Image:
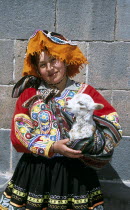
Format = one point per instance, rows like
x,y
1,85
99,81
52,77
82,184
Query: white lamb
x,y
82,106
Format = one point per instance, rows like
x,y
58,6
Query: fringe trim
x,y
69,62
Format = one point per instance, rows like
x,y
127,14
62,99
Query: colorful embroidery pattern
x,y
113,117
57,202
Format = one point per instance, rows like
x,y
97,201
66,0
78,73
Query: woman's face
x,y
51,69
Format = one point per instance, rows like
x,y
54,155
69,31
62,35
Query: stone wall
x,y
102,30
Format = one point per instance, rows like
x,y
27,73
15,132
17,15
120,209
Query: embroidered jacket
x,y
35,128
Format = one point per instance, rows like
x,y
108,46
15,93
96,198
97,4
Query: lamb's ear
x,y
98,106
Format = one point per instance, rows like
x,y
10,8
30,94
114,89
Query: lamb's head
x,y
82,104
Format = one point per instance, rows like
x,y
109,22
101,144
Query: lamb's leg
x,y
69,143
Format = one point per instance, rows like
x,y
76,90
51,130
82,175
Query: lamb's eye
x,y
81,103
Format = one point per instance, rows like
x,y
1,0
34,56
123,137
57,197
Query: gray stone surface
x,y
121,101
4,151
86,20
123,20
19,19
7,105
6,61
109,66
19,52
9,157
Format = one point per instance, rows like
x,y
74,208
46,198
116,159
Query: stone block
x,y
7,105
109,66
21,18
123,20
86,20
4,150
19,52
121,101
6,61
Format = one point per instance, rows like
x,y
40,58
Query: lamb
x,y
82,106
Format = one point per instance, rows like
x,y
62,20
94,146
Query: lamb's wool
x,y
82,106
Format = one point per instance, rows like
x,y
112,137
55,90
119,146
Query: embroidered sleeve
x,y
34,141
24,135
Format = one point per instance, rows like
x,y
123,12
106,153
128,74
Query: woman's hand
x,y
61,148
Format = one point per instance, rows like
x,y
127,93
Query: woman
x,y
50,175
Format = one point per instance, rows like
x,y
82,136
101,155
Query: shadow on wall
x,y
113,186
115,177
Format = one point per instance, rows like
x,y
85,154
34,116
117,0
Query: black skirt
x,y
56,183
